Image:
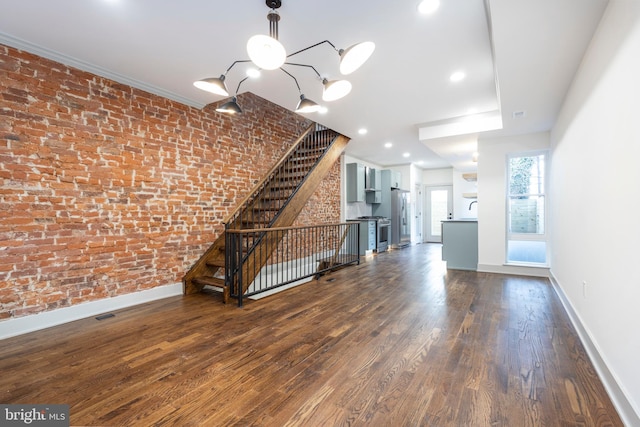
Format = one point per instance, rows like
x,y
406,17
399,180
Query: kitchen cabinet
x,y
367,235
355,182
374,196
460,244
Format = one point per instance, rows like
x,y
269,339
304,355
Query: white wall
x,y
405,170
453,177
438,176
462,204
595,175
492,212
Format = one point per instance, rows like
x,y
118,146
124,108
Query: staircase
x,y
276,201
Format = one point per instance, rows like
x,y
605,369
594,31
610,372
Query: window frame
x,y
532,237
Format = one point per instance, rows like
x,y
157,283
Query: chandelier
x,y
267,53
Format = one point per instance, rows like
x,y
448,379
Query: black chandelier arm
x,y
241,81
294,79
312,46
304,65
234,63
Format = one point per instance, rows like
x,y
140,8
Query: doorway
x,y
439,207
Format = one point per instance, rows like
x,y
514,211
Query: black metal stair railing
x,y
288,255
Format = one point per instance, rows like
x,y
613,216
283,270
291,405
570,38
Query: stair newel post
x,y
240,286
228,258
239,259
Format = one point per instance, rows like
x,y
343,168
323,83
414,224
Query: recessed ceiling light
x,y
362,131
428,6
406,154
388,145
420,162
457,76
253,73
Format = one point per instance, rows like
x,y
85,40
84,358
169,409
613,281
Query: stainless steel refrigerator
x,y
400,218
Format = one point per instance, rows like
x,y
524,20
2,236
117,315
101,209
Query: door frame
x,y
418,206
428,237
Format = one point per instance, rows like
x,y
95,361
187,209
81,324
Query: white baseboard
x,y
630,416
22,325
514,269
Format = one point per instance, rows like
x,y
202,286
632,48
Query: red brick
x,y
108,190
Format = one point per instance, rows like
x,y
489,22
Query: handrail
x,y
258,230
264,205
268,175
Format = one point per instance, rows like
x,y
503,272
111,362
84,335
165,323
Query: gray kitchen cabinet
x,y
374,196
355,182
383,208
367,235
460,244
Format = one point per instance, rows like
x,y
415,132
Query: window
x,y
527,207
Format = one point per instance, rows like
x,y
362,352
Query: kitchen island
x,y
460,244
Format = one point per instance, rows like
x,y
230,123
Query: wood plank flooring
x,y
395,341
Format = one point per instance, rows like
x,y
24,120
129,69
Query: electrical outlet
x,y
584,288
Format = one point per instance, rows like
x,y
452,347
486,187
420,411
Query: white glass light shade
x,y
266,52
335,89
353,57
213,84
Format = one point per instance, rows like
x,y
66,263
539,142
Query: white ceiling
x,y
518,55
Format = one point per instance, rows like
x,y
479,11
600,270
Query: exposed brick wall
x,y
107,190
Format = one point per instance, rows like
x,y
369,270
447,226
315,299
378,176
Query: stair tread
x,y
215,262
210,281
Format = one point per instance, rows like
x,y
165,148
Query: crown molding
x,y
35,49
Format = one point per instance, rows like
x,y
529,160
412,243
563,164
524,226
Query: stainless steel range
x,y
383,227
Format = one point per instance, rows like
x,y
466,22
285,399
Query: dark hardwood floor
x,y
395,341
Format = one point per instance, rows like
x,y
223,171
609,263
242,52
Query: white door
x,y
439,206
